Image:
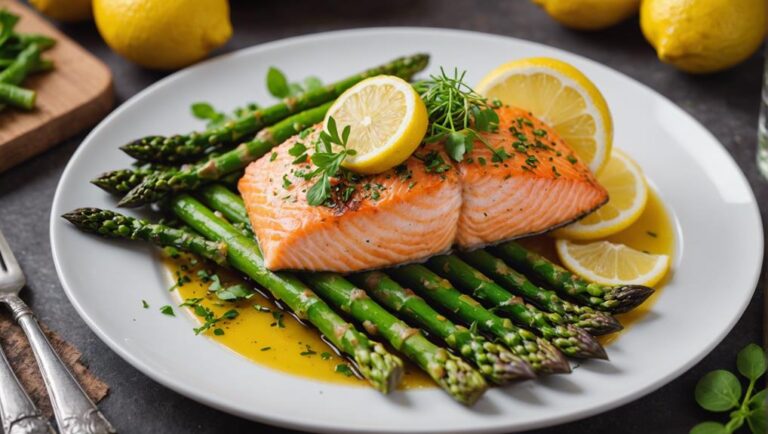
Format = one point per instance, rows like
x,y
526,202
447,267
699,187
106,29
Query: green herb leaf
x,y
218,332
718,391
277,84
203,110
145,304
751,362
709,428
456,145
757,416
486,120
320,191
311,83
167,310
344,369
325,355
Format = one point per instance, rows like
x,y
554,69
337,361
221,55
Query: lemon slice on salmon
x,y
628,193
612,264
560,95
387,121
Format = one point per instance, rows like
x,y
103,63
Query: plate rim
x,y
191,392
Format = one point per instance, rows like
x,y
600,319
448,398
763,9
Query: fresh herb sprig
x,y
720,391
330,151
457,113
279,86
215,119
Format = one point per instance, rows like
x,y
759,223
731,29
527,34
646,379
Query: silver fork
x,y
75,412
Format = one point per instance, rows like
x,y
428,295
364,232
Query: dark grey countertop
x,y
726,103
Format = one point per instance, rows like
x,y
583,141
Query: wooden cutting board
x,y
72,97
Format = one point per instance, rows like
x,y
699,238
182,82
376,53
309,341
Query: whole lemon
x,y
163,34
701,36
589,14
64,10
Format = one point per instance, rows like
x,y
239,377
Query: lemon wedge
x,y
628,194
387,121
560,95
612,264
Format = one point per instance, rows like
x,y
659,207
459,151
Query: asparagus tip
x,y
465,384
138,195
588,346
553,361
600,323
382,369
629,297
497,363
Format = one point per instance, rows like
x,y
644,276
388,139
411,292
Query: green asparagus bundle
x,y
190,147
159,185
615,299
572,341
595,322
111,224
458,380
493,360
382,369
538,352
451,373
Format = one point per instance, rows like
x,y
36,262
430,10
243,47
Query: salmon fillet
x,y
541,186
405,214
422,207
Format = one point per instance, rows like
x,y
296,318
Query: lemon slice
x,y
561,96
628,194
387,121
612,264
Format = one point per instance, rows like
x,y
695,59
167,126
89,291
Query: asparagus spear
x,y
122,181
381,368
158,185
111,224
189,147
494,361
539,353
593,321
451,373
459,380
572,341
16,72
17,96
615,299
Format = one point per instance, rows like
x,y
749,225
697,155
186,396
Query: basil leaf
x,y
751,362
709,428
759,400
277,84
758,407
203,110
718,391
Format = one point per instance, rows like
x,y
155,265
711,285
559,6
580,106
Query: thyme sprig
x,y
457,113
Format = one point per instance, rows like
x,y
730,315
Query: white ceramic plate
x,y
716,266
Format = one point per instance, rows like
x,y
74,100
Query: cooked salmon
x,y
405,214
422,207
540,186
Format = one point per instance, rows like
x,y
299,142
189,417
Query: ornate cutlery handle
x,y
18,413
75,412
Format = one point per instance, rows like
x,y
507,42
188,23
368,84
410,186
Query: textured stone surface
x,y
726,103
